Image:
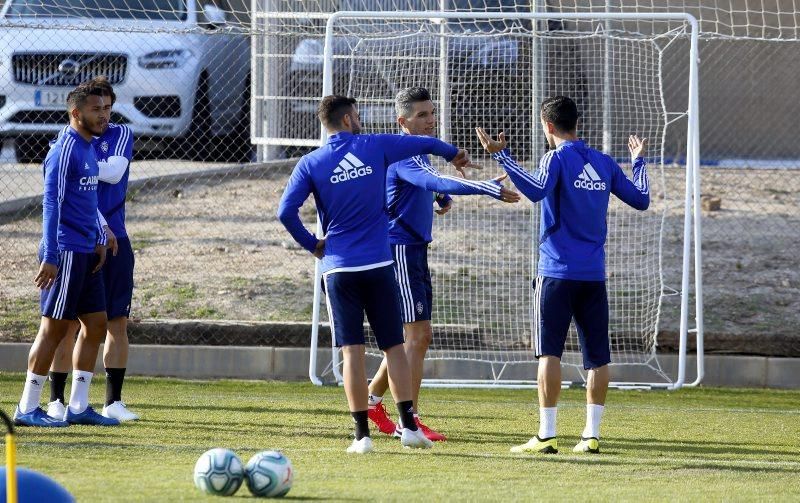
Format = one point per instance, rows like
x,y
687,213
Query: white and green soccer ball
x,y
218,472
269,474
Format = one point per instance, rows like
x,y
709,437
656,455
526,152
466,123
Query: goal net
x,y
493,72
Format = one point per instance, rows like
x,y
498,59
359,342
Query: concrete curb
x,y
291,364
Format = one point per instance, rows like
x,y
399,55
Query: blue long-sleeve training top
x,y
574,183
113,146
411,186
69,203
117,141
347,176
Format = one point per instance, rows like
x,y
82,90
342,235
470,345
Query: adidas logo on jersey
x,y
349,168
589,179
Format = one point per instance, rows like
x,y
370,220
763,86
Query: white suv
x,y
179,69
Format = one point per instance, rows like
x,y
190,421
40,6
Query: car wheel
x,y
198,143
236,146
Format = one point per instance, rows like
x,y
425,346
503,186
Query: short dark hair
x,y
101,82
405,99
78,96
332,110
562,112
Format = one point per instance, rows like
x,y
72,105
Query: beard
x,y
357,129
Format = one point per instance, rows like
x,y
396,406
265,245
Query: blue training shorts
x,y
556,303
350,294
414,280
118,276
76,289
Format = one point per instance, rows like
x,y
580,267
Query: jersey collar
x,y
576,143
340,136
76,135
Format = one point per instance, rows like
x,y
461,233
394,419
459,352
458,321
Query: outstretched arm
x,y
297,191
633,192
398,147
417,172
536,185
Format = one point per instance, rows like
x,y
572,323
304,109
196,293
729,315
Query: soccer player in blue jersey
x,y
411,187
347,177
114,150
574,183
72,252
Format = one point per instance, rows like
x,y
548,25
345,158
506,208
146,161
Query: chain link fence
x,y
211,160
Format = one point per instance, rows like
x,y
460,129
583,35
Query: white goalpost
x,y
492,69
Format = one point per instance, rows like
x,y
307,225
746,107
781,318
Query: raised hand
x,y
462,161
506,195
637,146
492,146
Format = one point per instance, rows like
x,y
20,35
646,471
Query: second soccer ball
x,y
269,474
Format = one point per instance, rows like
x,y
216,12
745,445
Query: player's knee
x,y
419,341
95,332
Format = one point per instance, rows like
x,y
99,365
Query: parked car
x,y
179,69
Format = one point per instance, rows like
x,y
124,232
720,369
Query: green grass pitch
x,y
697,444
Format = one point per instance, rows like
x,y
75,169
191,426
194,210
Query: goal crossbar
x,y
692,230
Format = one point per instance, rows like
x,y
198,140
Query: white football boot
x,y
119,411
415,439
362,446
56,410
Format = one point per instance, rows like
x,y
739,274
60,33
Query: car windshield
x,y
158,10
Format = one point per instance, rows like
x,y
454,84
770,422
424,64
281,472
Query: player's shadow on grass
x,y
250,408
695,447
433,417
549,458
248,496
491,437
262,427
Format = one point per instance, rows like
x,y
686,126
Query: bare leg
x,y
596,388
355,377
40,356
418,338
597,385
93,329
399,373
62,360
115,351
51,333
380,382
549,381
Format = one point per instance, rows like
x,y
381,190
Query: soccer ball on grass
x,y
269,474
218,472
